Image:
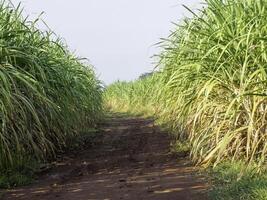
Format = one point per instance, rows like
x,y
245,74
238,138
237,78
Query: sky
x,y
117,36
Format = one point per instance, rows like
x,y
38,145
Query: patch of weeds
x,y
14,179
180,148
234,181
21,173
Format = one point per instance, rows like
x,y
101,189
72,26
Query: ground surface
x,y
131,162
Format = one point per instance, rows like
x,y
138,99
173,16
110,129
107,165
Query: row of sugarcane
x,y
211,86
47,94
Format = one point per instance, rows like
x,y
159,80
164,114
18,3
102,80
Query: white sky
x,y
117,36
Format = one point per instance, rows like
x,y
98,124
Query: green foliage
x,y
212,86
215,75
136,97
14,179
22,172
180,147
47,95
233,181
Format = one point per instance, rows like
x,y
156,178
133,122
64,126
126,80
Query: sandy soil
x,y
131,161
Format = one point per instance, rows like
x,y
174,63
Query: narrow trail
x,y
131,162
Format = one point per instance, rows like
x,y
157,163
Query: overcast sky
x,y
117,36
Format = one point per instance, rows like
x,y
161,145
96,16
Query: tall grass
x,y
47,95
213,81
137,97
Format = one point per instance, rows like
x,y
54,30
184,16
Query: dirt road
x,y
132,162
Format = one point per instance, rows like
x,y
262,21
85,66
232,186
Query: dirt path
x,y
132,162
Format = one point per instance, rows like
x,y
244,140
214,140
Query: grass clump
x,y
47,95
233,181
9,179
22,172
178,146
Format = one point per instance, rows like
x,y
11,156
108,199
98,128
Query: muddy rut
x,y
132,161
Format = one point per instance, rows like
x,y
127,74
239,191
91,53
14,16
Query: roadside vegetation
x,y
210,90
236,180
48,96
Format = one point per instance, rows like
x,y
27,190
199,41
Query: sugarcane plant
x,y
47,94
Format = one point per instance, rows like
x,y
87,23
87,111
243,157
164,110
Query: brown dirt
x,y
132,162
